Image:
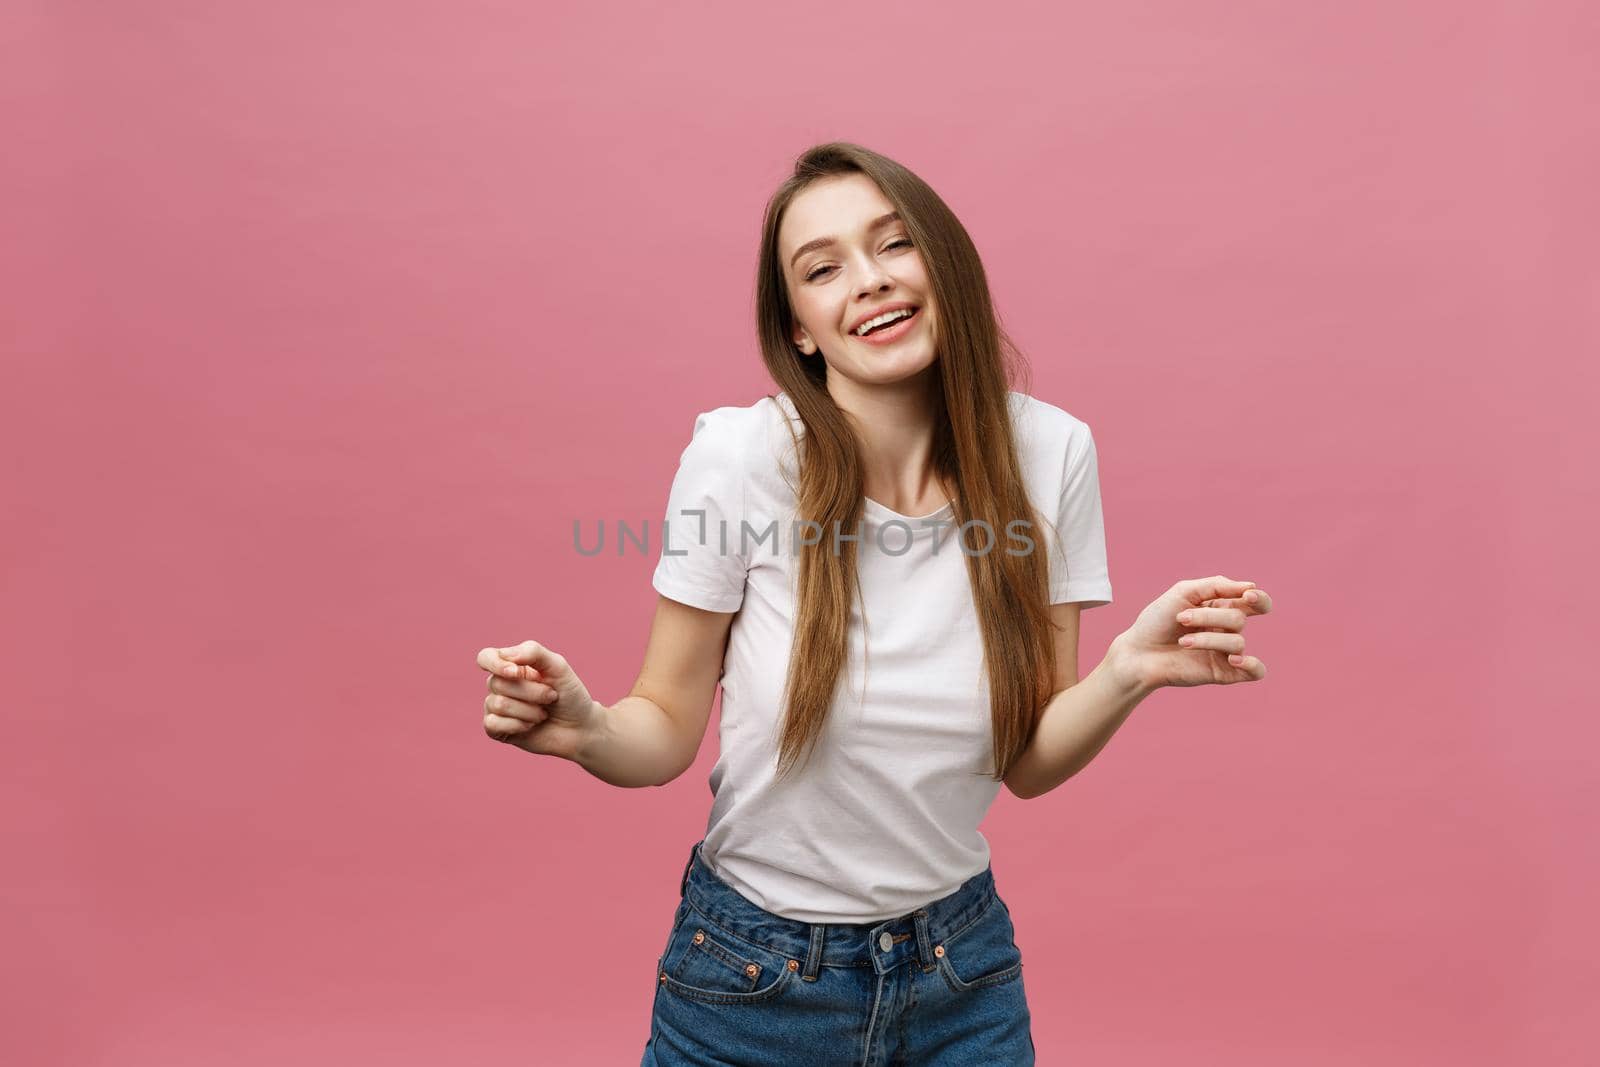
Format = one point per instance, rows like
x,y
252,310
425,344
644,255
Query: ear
x,y
803,342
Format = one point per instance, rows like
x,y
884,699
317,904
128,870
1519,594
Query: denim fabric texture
x,y
738,985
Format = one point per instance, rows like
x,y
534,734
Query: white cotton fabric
x,y
884,819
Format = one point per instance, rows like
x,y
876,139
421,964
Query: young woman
x,y
882,565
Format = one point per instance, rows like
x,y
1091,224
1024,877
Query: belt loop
x,y
924,940
683,884
814,956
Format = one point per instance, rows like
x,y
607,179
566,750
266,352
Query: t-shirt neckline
x,y
890,513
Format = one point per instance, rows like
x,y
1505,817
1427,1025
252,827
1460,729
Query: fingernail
x,y
1184,617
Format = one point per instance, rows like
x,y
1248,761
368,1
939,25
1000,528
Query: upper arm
x,y
1065,617
682,665
704,557
1078,570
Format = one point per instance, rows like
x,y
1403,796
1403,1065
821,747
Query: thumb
x,y
530,654
1219,586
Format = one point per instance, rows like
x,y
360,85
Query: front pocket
x,y
677,921
703,964
983,953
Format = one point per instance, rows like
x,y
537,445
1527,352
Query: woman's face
x,y
866,266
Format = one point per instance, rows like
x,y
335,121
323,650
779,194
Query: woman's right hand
x,y
536,701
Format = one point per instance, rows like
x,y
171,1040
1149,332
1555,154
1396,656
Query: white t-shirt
x,y
884,818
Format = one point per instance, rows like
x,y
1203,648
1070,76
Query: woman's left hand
x,y
1192,635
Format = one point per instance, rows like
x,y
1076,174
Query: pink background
x,y
323,322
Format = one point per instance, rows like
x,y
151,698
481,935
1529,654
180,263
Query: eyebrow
x,y
824,242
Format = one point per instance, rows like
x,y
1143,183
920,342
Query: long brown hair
x,y
973,451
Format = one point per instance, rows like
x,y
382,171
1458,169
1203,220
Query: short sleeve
x,y
701,560
1078,556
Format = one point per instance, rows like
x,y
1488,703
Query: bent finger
x,y
1202,589
532,654
1212,641
501,728
512,708
492,661
1253,602
1249,665
1257,600
529,692
1222,618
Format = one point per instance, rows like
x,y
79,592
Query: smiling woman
x,y
842,886
878,687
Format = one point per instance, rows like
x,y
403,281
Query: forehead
x,y
831,207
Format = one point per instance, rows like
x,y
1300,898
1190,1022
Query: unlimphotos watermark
x,y
804,533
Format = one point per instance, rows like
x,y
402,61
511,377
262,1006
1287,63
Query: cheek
x,y
916,271
816,315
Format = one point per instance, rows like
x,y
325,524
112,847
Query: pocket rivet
x,y
752,970
663,976
794,965
699,936
938,950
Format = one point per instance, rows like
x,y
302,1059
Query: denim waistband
x,y
883,945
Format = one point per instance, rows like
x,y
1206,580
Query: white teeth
x,y
887,316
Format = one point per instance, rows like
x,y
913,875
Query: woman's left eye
x,y
899,241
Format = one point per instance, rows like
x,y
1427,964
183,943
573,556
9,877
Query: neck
x,y
894,424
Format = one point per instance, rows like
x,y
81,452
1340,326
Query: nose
x,y
873,279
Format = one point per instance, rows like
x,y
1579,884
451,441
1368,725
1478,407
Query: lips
x,y
892,333
875,312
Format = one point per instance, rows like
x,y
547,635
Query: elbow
x,y
1018,792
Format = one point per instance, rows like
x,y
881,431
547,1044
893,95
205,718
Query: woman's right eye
x,y
816,272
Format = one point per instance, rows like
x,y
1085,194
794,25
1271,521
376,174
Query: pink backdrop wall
x,y
323,322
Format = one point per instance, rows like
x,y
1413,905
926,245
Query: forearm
x,y
634,743
1074,727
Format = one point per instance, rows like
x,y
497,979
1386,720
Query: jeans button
x,y
885,942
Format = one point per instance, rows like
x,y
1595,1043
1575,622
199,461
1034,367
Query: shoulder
x,y
758,438
741,449
732,429
748,420
1044,429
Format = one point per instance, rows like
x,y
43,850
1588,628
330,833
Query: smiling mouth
x,y
902,320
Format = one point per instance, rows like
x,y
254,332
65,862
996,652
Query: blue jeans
x,y
738,985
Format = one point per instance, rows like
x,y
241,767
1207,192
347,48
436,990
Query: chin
x,y
900,367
